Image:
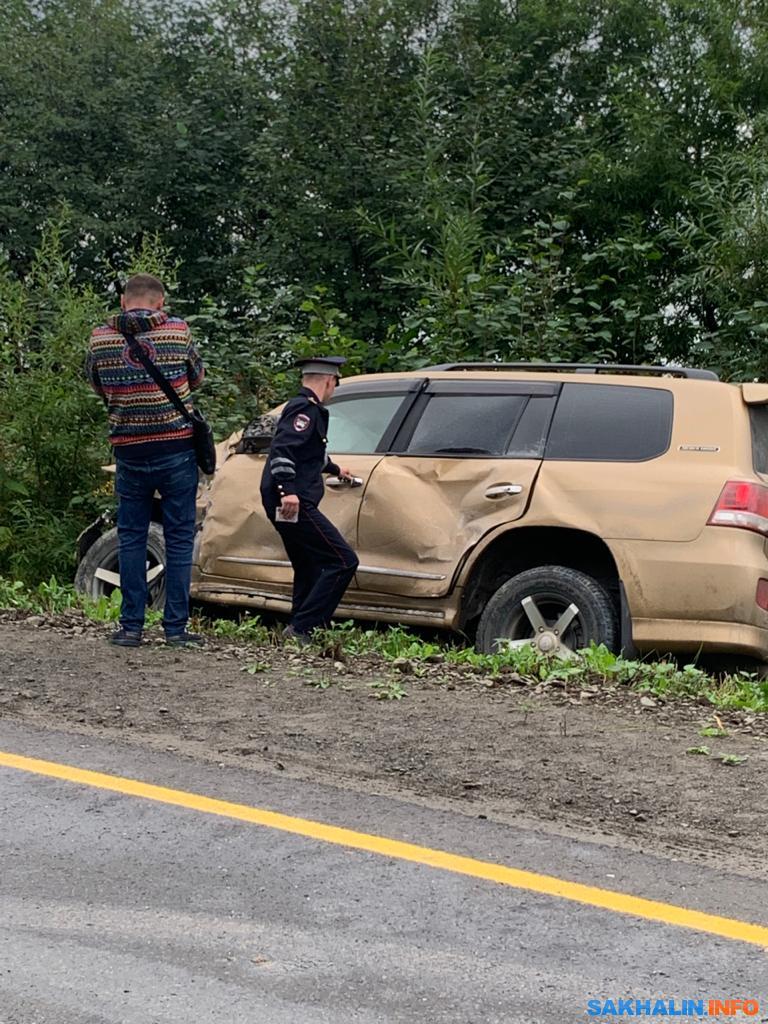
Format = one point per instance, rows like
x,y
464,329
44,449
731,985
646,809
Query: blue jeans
x,y
174,477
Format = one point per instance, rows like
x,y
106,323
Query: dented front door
x,y
238,541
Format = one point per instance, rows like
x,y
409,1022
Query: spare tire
x,y
98,573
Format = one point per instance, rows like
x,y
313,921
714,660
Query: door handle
x,y
503,490
337,481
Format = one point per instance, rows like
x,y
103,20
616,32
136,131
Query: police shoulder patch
x,y
301,422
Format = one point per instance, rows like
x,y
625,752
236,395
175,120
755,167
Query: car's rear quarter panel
x,y
685,582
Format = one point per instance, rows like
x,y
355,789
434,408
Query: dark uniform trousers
x,y
323,567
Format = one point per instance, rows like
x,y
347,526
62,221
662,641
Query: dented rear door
x,y
464,462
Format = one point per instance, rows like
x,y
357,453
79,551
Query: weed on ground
x,y
593,668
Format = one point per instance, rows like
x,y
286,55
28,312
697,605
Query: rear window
x,y
610,423
479,424
758,419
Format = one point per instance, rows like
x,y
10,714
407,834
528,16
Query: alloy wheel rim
x,y
555,626
106,578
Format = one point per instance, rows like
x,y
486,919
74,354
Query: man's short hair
x,y
143,285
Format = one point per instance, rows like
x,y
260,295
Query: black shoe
x,y
125,638
184,639
289,633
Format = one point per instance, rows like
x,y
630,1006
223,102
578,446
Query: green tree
x,y
145,123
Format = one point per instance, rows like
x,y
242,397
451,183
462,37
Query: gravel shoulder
x,y
604,765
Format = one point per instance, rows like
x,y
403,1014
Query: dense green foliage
x,y
405,181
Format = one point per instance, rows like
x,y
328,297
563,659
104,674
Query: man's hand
x,y
346,474
289,505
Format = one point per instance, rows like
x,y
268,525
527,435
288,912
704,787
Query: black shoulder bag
x,y
202,435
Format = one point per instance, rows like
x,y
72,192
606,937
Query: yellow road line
x,y
549,885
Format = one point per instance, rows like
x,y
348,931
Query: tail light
x,y
743,504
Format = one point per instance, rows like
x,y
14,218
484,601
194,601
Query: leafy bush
x,y
52,438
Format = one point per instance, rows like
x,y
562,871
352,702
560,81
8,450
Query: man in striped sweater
x,y
153,448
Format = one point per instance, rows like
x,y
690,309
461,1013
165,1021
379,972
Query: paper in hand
x,y
286,517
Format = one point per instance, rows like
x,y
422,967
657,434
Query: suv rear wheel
x,y
557,609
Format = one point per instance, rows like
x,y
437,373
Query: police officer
x,y
291,489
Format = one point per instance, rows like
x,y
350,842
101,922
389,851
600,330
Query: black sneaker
x,y
185,639
125,638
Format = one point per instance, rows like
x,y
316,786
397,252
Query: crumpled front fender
x,y
91,533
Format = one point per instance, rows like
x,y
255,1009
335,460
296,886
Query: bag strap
x,y
157,376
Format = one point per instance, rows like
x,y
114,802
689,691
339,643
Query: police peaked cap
x,y
321,364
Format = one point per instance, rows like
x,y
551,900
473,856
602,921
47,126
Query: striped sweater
x,y
143,423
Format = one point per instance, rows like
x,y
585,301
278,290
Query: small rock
x,y
402,665
35,620
339,667
648,702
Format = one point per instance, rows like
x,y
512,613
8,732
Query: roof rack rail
x,y
657,371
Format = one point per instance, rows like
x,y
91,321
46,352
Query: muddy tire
x,y
98,573
556,608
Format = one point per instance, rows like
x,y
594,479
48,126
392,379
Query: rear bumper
x,y
681,635
698,595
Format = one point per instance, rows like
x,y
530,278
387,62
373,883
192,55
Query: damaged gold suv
x,y
547,504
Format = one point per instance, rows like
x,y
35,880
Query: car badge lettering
x,y
699,448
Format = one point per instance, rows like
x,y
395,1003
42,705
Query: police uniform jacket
x,y
297,457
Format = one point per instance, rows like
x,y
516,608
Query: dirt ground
x,y
607,765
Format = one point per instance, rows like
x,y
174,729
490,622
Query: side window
x,y
469,424
611,423
356,425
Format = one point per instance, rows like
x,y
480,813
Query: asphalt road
x,y
120,910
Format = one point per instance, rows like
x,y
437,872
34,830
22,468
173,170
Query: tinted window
x,y
356,425
467,424
758,418
610,423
